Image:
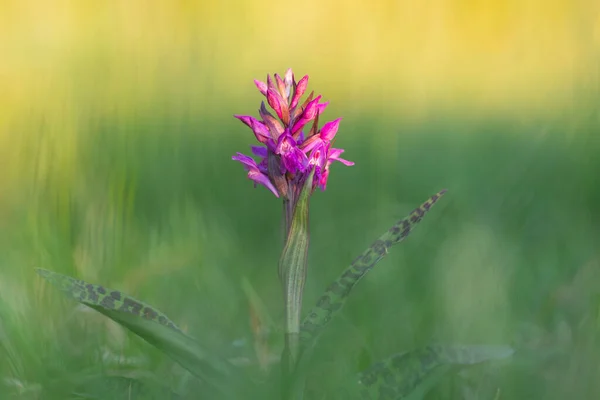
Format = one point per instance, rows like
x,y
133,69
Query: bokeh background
x,y
116,133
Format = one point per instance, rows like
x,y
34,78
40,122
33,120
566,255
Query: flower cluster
x,y
287,155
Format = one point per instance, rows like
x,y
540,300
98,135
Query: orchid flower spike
x,y
286,153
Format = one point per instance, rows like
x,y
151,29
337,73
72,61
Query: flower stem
x,y
288,214
292,267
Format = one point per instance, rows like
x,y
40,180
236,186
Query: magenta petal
x,y
300,159
345,162
300,89
299,125
321,107
275,127
310,112
334,155
289,81
280,85
263,166
275,100
300,138
318,155
311,143
329,130
244,159
246,119
317,161
270,84
262,179
260,130
293,159
262,87
311,109
255,173
323,180
259,151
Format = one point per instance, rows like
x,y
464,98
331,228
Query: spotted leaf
x,y
332,301
96,295
404,375
151,325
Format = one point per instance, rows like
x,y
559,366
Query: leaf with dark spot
x,y
412,374
151,325
337,293
96,295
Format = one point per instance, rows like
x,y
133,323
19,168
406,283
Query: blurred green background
x,y
116,133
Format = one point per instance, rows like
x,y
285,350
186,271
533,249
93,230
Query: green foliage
x,y
401,375
332,301
148,323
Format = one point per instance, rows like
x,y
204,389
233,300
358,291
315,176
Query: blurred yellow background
x,y
63,61
412,53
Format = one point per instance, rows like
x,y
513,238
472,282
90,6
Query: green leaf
x,y
332,301
414,373
148,323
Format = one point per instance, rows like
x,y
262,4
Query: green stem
x,y
292,267
288,214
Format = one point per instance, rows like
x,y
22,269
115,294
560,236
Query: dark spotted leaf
x,y
96,295
337,293
411,374
148,323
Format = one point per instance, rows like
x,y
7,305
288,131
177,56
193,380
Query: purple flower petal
x,y
262,87
260,130
293,159
299,92
246,119
263,166
318,155
289,82
276,102
321,107
329,130
311,143
262,179
311,108
275,127
254,172
270,84
259,151
300,138
334,155
280,85
323,181
244,159
308,115
317,161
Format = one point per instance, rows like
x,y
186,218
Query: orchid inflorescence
x,y
287,155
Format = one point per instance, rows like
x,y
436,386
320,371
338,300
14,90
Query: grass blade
x,y
336,294
148,323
